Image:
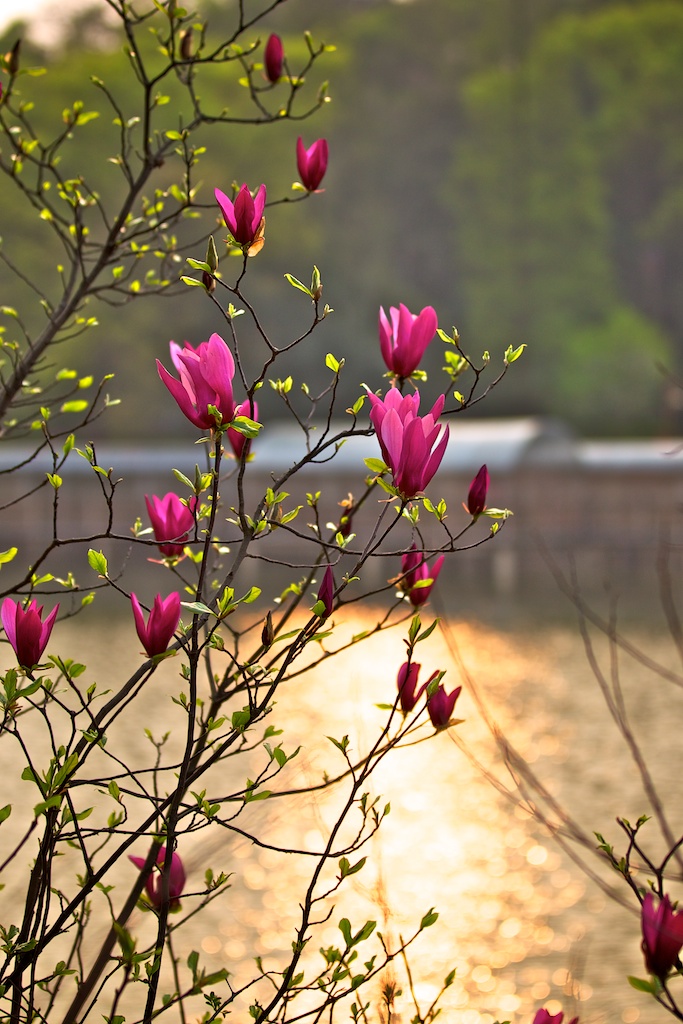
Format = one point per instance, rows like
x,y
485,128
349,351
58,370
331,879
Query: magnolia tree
x,y
81,869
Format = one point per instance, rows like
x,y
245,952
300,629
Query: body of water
x,y
520,920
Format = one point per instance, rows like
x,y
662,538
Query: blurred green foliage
x,y
515,163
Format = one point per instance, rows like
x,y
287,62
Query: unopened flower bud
x,y
326,594
476,498
186,44
212,255
273,56
12,58
268,633
209,282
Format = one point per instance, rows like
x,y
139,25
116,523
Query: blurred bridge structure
x,y
610,511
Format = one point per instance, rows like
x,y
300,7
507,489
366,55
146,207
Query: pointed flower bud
x,y
326,594
407,686
155,634
415,570
154,882
12,58
206,374
171,521
662,935
186,44
476,498
244,217
240,443
440,705
312,163
412,446
26,631
273,55
268,633
403,342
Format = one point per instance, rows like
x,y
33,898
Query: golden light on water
x,y
520,923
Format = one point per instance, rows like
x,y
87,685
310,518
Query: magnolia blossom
x,y
238,441
412,446
543,1017
244,217
407,685
206,374
662,935
273,55
415,570
171,520
403,341
26,631
154,881
312,163
155,635
440,706
476,497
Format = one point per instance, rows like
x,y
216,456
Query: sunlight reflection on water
x,y
521,924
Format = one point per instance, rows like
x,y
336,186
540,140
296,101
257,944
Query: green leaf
x,y
365,932
209,979
250,428
641,985
428,920
199,265
376,465
297,284
198,607
5,812
183,479
98,562
7,556
192,282
513,354
77,405
332,363
346,869
427,632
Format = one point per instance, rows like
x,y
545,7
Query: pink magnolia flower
x,y
243,217
239,442
273,55
206,374
171,521
476,498
326,592
26,631
153,884
415,569
662,935
407,685
403,341
155,635
543,1017
440,706
312,163
412,446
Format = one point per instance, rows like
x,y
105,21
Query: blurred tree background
x,y
518,164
